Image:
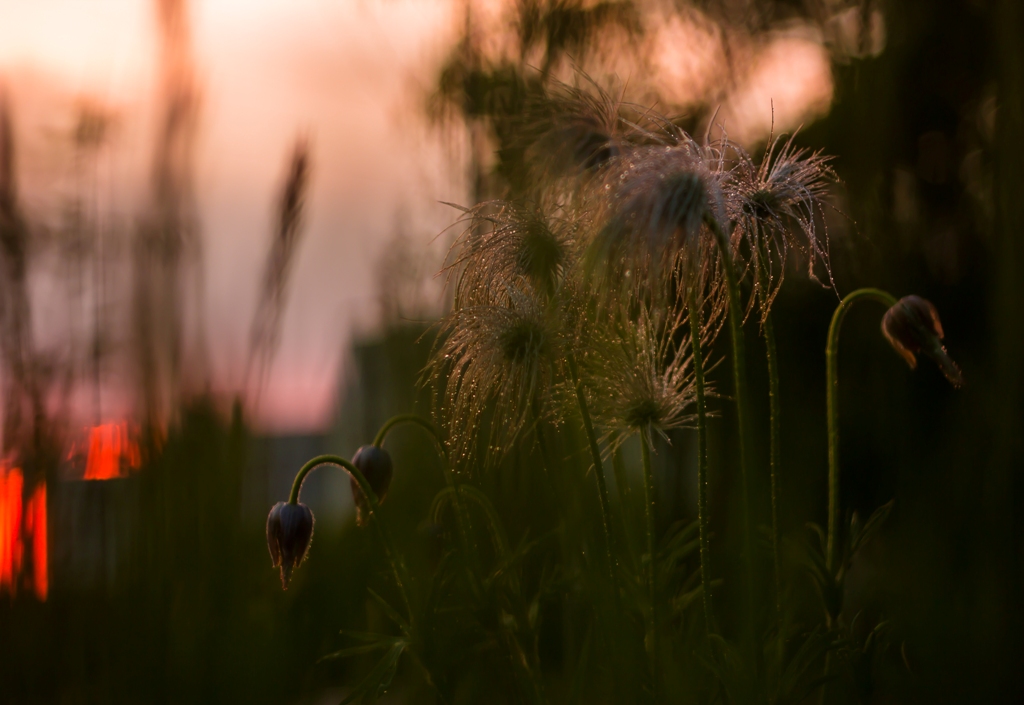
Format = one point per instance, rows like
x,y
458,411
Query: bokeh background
x,y
220,226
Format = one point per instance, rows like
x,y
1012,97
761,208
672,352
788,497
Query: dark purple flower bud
x,y
912,325
375,464
289,531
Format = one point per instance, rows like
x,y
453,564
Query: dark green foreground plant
x,y
585,316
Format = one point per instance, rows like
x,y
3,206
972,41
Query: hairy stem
x,y
394,558
702,460
626,507
832,392
771,353
740,394
652,622
595,452
773,457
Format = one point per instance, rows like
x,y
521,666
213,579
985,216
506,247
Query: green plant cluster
x,y
586,315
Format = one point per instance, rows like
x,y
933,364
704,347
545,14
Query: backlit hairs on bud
x,y
911,326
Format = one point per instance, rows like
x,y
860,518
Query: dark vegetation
x,y
514,599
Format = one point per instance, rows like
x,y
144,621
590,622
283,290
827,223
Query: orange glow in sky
x,y
111,452
35,527
10,528
20,523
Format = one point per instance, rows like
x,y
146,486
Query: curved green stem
x,y
462,520
394,558
595,452
740,394
652,622
702,460
832,392
408,418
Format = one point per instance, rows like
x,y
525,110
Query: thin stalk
x,y
652,622
740,393
595,452
771,353
542,443
702,461
832,391
625,502
621,481
394,558
773,435
410,419
832,403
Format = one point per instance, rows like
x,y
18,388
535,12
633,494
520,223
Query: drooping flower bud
x,y
375,464
912,325
289,531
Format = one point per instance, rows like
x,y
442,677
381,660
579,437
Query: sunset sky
x,y
351,75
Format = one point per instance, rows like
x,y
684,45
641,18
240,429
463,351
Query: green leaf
x,y
389,611
581,668
356,650
812,650
366,636
871,526
379,678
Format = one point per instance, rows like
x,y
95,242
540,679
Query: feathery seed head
x,y
541,254
500,355
521,340
574,131
641,373
776,204
505,245
654,206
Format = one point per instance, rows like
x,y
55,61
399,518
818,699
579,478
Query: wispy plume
x,y
23,408
653,204
506,246
777,206
168,285
573,130
496,357
265,331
